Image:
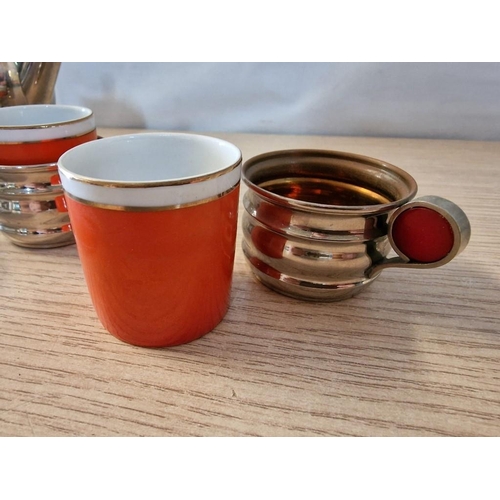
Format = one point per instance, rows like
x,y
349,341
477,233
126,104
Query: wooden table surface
x,y
416,354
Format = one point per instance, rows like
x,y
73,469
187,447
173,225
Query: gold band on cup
x,y
122,208
150,171
91,128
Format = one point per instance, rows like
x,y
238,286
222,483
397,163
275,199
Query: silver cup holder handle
x,y
427,232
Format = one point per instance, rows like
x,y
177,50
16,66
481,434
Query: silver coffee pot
x,y
27,82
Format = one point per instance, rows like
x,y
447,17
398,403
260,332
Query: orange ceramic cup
x,y
40,133
154,217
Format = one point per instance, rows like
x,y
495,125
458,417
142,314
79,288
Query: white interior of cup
x,y
150,169
37,122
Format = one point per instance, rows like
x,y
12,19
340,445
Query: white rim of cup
x,y
40,122
150,171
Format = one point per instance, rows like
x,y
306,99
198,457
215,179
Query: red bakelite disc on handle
x,y
422,235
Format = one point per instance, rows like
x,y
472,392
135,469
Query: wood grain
x,y
417,354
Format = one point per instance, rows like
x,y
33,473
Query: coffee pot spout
x,y
24,83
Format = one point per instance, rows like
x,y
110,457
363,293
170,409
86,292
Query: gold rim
x,y
124,208
46,140
148,184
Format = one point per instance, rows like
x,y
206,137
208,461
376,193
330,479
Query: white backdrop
x,y
425,100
